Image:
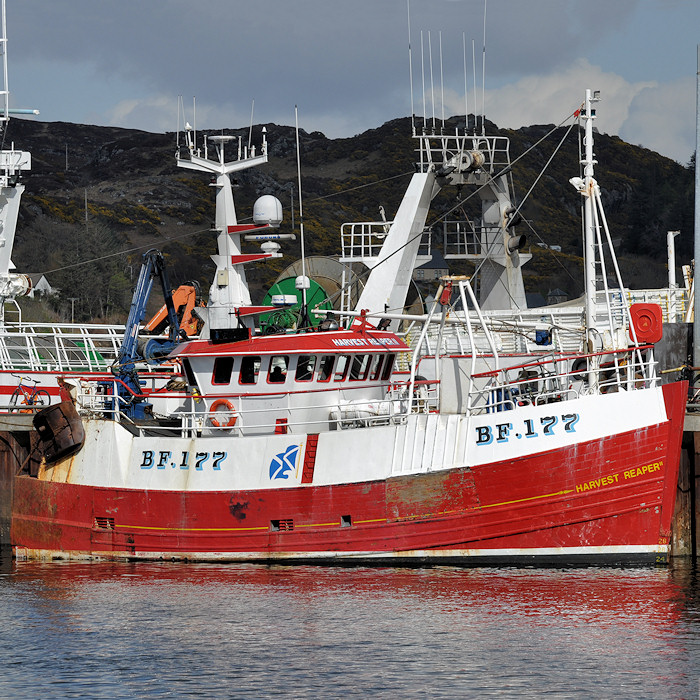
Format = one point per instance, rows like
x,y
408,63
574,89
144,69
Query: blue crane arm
x,y
153,265
153,350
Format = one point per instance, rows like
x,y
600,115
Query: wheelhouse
x,y
295,381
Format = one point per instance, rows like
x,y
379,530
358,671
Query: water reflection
x,y
164,630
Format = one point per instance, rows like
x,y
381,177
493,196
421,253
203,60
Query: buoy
x,y
224,406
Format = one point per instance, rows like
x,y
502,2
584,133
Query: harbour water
x,y
208,631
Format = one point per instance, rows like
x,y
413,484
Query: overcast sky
x,y
345,64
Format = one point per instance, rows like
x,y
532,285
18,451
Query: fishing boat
x,y
328,444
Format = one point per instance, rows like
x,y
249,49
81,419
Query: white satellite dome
x,y
267,210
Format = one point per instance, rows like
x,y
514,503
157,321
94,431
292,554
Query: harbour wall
x,y
684,540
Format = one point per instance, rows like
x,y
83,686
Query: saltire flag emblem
x,y
284,462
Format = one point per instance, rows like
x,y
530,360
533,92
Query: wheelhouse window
x,y
376,365
341,368
305,368
360,367
278,369
223,366
325,368
250,368
388,366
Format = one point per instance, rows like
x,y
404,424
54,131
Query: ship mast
x,y
596,239
229,296
12,163
589,238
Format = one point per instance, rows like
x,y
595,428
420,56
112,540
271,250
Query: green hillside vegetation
x,y
138,199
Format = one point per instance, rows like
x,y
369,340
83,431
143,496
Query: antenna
x,y
250,133
483,78
5,110
476,100
432,84
187,130
5,90
304,311
291,202
177,138
410,68
442,84
466,87
194,120
422,72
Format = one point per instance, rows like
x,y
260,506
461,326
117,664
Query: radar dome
x,y
267,210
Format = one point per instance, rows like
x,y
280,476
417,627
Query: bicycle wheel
x,y
41,398
14,400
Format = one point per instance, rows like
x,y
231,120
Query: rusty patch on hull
x,y
438,493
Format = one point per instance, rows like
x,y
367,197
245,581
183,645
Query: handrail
x,y
556,379
541,362
397,402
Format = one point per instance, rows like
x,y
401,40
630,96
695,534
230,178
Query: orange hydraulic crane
x,y
186,300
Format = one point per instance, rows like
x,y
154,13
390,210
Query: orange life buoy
x,y
228,407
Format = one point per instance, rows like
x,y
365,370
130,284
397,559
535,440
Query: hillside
x,y
110,194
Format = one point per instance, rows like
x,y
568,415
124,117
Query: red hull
x,y
607,500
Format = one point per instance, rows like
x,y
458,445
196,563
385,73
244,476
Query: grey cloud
x,y
318,50
344,62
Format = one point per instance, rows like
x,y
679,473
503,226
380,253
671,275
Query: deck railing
x,y
251,414
561,378
550,380
61,347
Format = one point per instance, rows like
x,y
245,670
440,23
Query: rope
x,y
120,252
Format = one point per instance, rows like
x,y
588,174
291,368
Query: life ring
x,y
228,408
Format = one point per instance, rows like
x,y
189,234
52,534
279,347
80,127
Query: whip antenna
x,y
194,119
432,82
410,68
422,73
250,133
476,99
180,106
442,85
302,284
483,78
466,88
